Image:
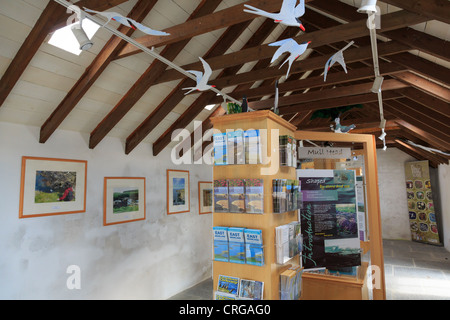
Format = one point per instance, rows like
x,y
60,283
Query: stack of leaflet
x,y
234,288
291,283
220,244
238,245
220,149
254,195
288,151
237,147
254,251
286,195
236,195
239,195
221,196
252,147
288,241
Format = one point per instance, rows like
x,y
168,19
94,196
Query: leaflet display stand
x,y
316,284
270,272
326,286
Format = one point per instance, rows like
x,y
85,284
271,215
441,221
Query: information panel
x,y
329,219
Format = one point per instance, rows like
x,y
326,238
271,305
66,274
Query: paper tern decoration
x,y
128,22
342,129
288,15
290,46
339,58
432,150
202,78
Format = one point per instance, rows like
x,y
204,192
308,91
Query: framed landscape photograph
x,y
205,197
123,200
178,194
52,187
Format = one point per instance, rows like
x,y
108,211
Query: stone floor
x,y
416,271
413,271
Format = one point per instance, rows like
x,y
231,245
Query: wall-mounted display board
x,y
422,215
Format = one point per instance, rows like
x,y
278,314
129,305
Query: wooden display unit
x,y
331,287
375,244
315,286
270,272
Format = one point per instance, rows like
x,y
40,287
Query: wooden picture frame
x,y
124,200
205,197
51,186
178,191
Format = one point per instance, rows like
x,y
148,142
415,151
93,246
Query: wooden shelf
x,y
269,273
332,287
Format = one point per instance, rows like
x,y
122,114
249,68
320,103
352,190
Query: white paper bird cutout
x,y
288,15
290,46
202,78
337,57
109,15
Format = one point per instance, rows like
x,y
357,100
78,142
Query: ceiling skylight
x,y
64,38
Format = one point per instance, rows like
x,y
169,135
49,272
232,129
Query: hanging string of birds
x,y
289,15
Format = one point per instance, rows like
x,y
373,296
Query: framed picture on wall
x,y
123,200
178,197
52,187
205,197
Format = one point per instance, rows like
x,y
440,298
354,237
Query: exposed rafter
x,y
52,18
93,72
416,89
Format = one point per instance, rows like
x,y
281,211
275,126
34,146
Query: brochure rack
x,y
270,272
314,285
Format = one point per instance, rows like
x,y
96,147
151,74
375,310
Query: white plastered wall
x,y
151,259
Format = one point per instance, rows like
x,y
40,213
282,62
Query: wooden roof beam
x,y
421,41
316,63
318,81
413,153
412,38
425,85
147,79
443,119
262,33
338,102
214,21
427,100
423,135
431,9
422,115
413,123
338,92
319,38
91,74
436,159
177,94
189,115
53,17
